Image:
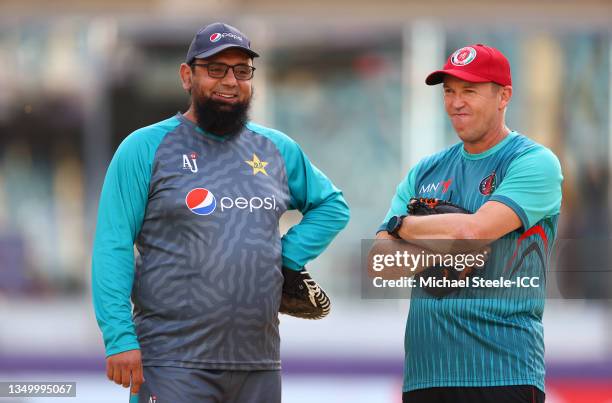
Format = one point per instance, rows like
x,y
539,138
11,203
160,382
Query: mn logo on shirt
x,y
435,186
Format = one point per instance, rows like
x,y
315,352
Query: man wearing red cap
x,y
476,345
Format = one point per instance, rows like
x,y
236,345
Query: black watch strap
x,y
394,224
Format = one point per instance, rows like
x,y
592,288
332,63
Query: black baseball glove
x,y
302,296
423,206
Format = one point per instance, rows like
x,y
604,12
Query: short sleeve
x,y
404,192
532,186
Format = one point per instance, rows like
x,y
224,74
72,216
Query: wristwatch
x,y
394,224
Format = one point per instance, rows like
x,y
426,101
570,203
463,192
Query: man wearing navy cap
x,y
201,195
468,346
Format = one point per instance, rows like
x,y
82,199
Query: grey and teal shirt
x,y
472,339
203,213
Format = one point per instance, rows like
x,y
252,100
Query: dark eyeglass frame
x,y
226,69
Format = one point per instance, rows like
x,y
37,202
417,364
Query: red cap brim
x,y
437,77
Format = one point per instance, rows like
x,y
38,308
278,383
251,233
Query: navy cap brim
x,y
220,48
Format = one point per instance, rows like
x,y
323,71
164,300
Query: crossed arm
x,y
492,221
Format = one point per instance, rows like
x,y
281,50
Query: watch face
x,y
393,224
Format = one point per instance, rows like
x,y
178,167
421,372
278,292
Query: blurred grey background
x,y
343,78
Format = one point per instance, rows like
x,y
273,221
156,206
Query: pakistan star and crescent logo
x,y
257,165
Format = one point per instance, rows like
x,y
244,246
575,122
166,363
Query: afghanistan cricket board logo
x,y
463,56
488,184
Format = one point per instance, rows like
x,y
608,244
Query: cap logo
x,y
463,56
217,36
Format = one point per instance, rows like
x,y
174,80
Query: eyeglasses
x,y
242,72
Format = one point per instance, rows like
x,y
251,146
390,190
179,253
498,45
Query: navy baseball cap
x,y
215,38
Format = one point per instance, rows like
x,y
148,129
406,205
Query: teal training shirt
x,y
469,339
203,213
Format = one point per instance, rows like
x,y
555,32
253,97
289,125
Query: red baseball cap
x,y
475,63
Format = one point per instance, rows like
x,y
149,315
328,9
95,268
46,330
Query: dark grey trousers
x,y
191,385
